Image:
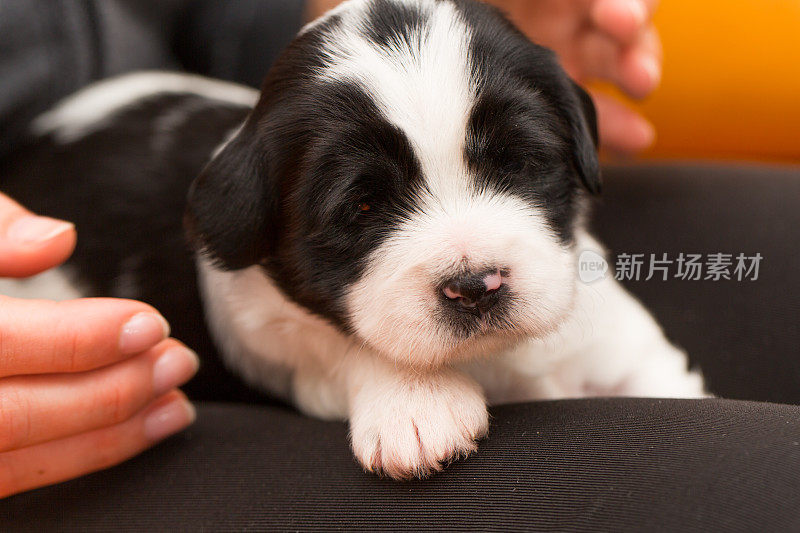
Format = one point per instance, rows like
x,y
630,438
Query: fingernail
x,y
174,368
35,230
168,419
638,11
648,133
652,68
141,332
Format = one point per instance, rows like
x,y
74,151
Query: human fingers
x,y
597,58
36,409
30,244
44,337
622,20
60,460
639,66
622,130
635,70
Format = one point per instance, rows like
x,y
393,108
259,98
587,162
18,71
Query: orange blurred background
x,y
731,84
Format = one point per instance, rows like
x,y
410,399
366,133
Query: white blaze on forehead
x,y
422,86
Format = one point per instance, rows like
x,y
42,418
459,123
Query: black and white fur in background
x,y
388,233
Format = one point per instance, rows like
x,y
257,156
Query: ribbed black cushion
x,y
597,465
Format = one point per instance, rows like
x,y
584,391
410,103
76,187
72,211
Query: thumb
x,y
30,244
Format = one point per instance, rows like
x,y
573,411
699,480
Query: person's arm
x,y
236,41
47,51
84,384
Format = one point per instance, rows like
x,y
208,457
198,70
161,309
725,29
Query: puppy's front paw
x,y
410,426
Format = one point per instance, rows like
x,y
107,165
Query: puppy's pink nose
x,y
478,292
493,281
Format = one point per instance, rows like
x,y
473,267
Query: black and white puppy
x,y
390,235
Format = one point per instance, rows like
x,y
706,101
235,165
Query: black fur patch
x,y
394,26
352,157
533,131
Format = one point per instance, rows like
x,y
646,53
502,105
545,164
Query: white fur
x,y
268,338
609,346
422,87
394,304
403,423
81,113
56,284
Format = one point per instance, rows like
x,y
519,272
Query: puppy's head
x,y
412,173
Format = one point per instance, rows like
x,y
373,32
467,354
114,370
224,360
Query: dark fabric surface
x,y
47,50
51,48
598,465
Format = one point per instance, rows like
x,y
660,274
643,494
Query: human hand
x,y
84,384
610,40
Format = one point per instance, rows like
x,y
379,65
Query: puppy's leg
x,y
663,373
627,353
407,423
618,349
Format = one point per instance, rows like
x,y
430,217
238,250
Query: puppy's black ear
x,y
542,69
230,207
581,114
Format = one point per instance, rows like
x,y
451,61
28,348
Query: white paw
x,y
411,427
